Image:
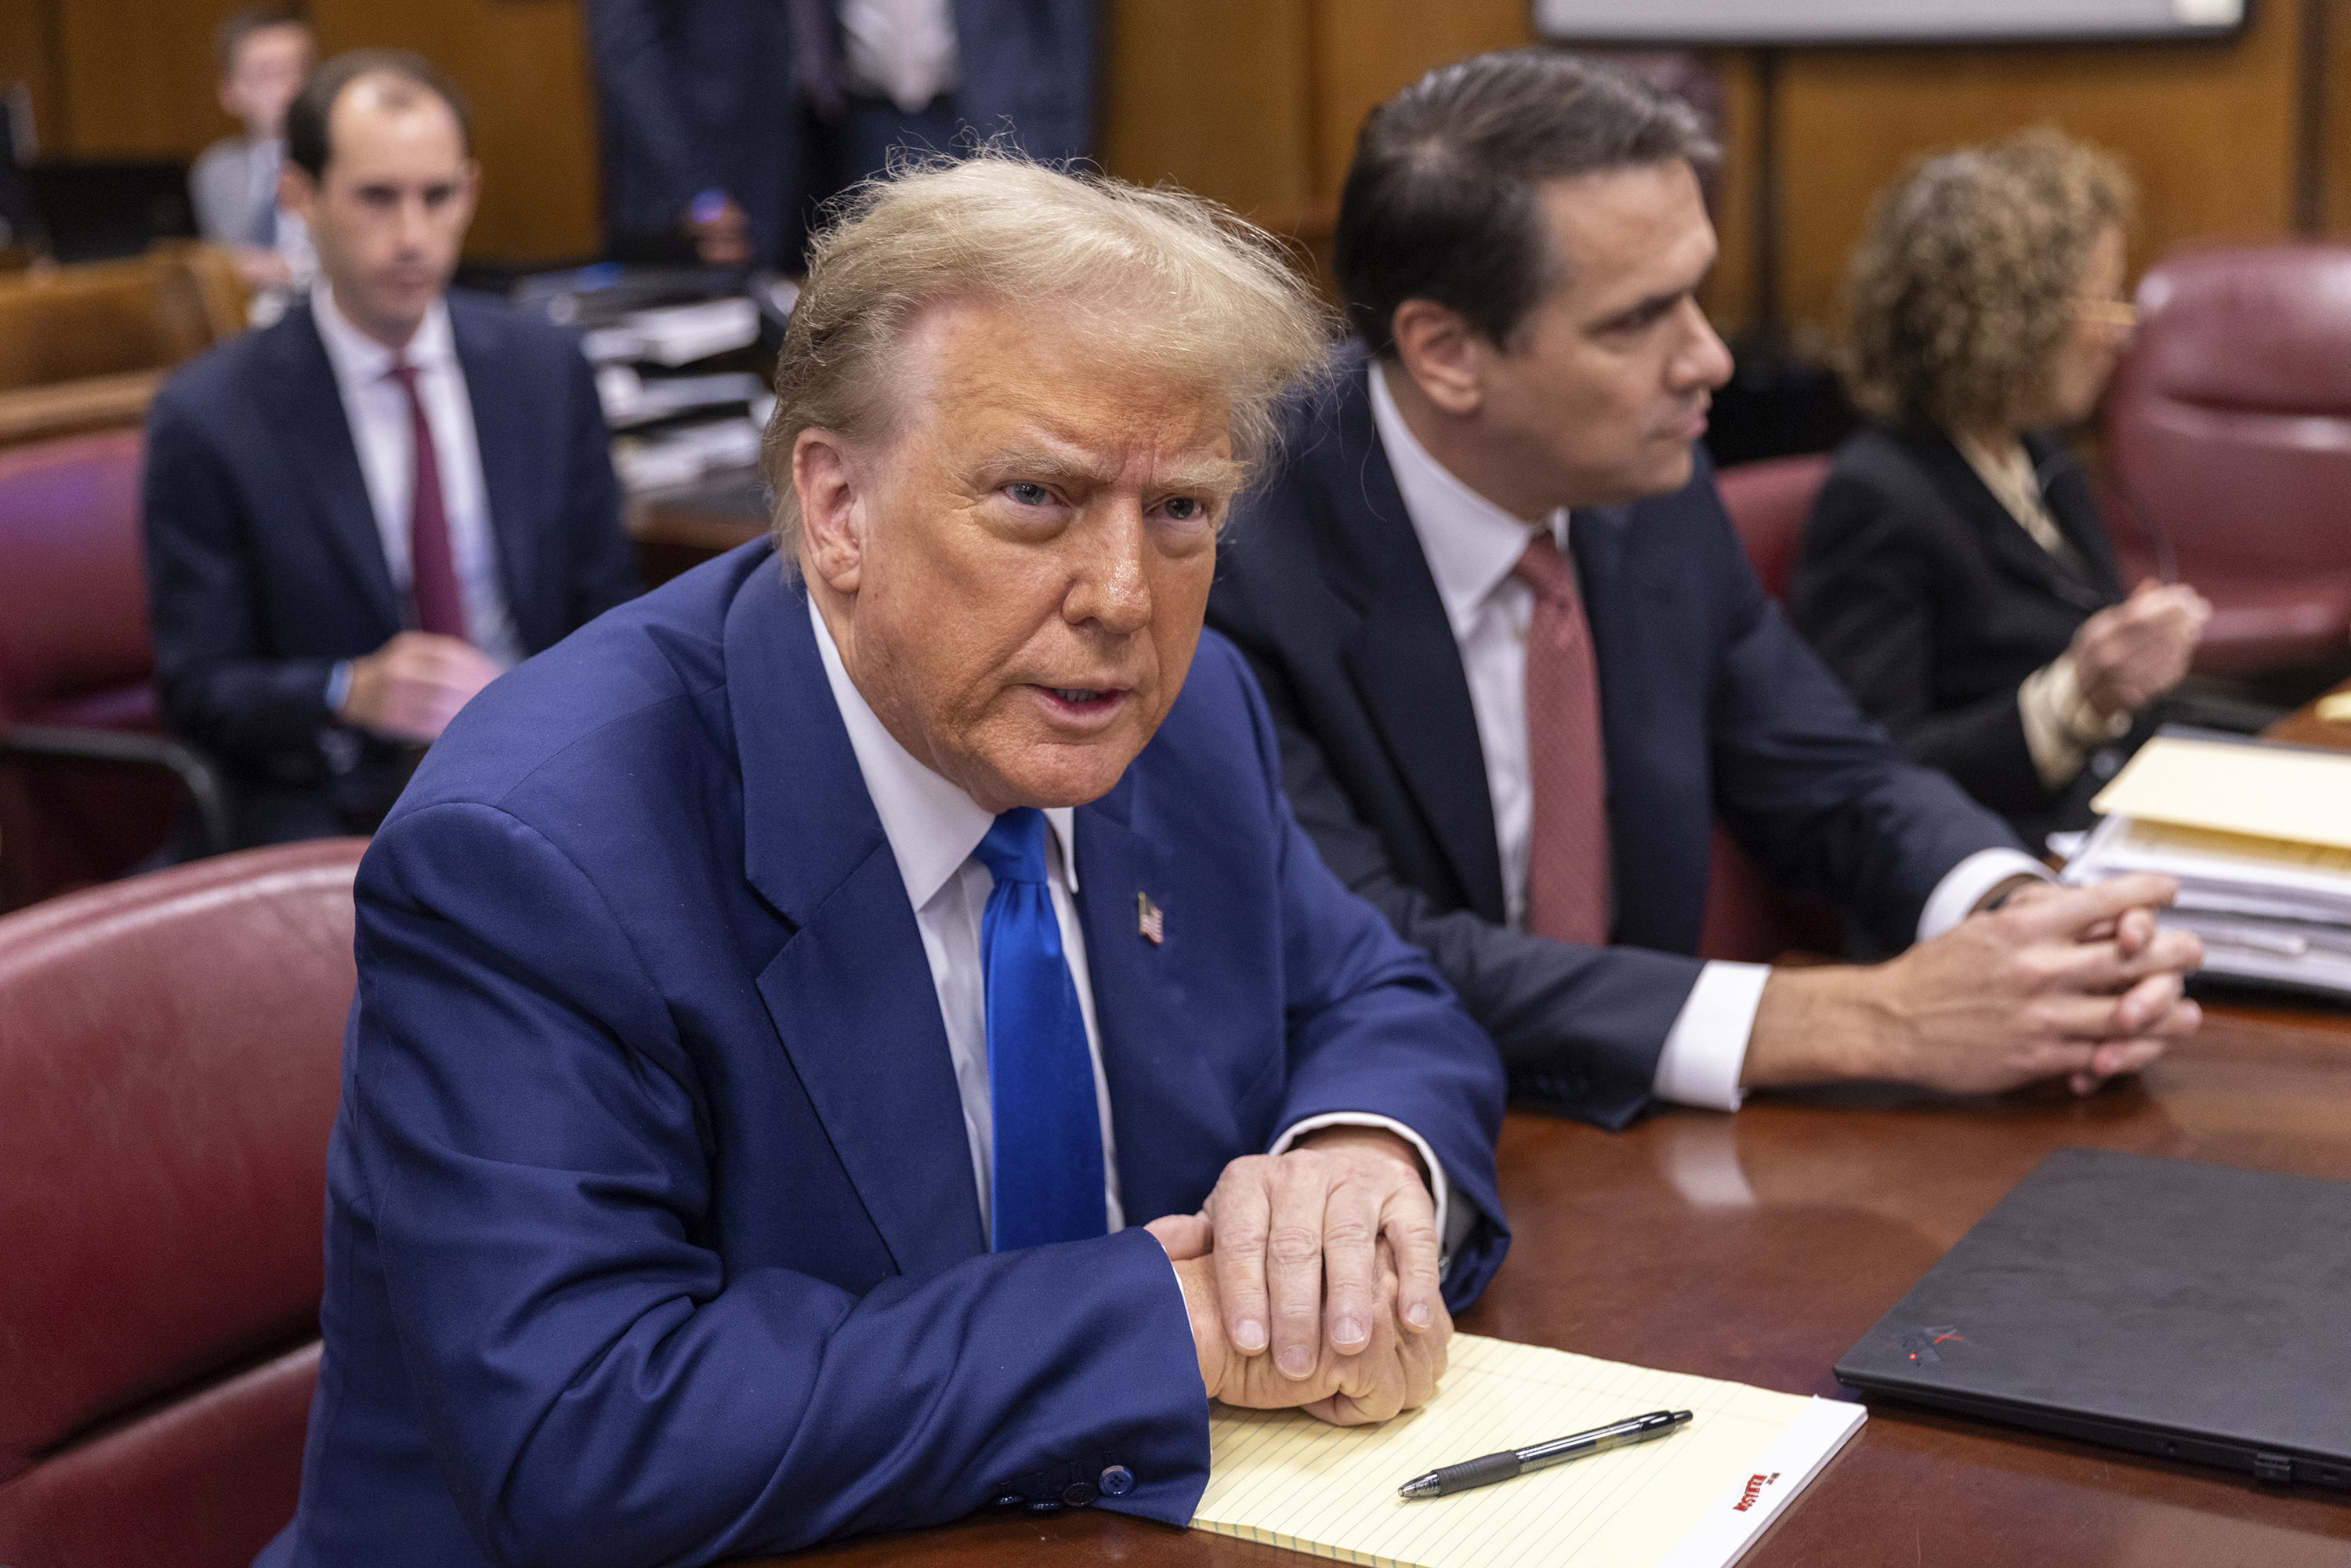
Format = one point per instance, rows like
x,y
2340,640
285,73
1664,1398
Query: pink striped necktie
x,y
432,573
1567,859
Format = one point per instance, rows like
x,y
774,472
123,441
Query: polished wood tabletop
x,y
678,528
1760,1247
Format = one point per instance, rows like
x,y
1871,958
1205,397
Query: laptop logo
x,y
1920,1347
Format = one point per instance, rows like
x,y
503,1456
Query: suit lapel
x,y
1628,711
1401,654
850,993
2076,513
502,430
305,407
1165,1111
2016,552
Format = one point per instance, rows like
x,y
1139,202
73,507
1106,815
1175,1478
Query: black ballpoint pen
x,y
1511,1462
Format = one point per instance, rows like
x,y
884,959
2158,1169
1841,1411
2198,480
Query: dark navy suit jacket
x,y
265,567
1710,706
696,95
652,1229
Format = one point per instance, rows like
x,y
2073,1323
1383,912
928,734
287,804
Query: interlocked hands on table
x,y
1311,1279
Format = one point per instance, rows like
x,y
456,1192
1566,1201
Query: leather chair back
x,y
2229,445
1769,502
170,1054
1748,919
74,652
73,624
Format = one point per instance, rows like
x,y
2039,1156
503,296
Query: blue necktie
x,y
1047,1184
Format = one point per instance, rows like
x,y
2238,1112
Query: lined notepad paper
x,y
1695,1499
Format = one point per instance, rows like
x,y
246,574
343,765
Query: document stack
x,y
679,365
2259,835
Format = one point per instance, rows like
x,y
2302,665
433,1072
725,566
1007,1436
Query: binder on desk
x,y
1695,1499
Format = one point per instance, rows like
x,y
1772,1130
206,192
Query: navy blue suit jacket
x,y
652,1236
265,567
1710,706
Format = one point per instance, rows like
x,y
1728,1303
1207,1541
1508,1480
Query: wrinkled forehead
x,y
1102,382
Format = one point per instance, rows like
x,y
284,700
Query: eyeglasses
x,y
2120,314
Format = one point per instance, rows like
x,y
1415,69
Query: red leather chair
x,y
1769,503
1746,918
2229,447
170,1054
89,783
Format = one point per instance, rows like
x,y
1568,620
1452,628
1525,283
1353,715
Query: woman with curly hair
x,y
1955,574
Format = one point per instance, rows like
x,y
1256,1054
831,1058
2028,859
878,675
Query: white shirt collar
x,y
358,360
1470,543
932,825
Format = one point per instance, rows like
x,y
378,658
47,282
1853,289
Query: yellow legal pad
x,y
1693,1500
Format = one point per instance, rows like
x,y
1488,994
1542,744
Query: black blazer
x,y
1932,603
1711,707
264,567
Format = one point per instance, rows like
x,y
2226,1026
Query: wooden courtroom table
x,y
679,528
1760,1247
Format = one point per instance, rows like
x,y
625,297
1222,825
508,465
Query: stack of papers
x,y
2259,836
1696,1498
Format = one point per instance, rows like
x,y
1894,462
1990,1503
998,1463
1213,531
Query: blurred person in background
x,y
262,53
1955,573
724,124
357,518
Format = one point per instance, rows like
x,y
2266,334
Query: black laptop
x,y
2192,1310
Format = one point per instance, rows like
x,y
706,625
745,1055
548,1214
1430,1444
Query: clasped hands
x,y
2073,982
1311,1279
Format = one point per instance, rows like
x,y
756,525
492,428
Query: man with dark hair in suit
x,y
1520,663
357,518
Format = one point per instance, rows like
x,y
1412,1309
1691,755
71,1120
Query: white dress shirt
x,y
1471,545
384,434
904,51
933,828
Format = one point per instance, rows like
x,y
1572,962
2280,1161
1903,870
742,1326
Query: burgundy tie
x,y
433,575
1567,859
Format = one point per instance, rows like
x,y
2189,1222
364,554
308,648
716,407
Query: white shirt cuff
x,y
1706,1050
1955,897
1439,1188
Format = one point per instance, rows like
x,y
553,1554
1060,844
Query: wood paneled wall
x,y
133,79
1256,102
2208,130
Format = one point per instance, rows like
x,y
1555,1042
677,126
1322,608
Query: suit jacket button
x,y
1010,1499
1077,1494
1046,1505
1117,1481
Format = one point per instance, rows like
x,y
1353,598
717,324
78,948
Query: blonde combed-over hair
x,y
1174,282
1963,287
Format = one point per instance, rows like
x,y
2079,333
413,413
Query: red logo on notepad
x,y
1755,1485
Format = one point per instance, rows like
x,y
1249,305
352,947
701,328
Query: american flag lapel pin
x,y
1149,922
